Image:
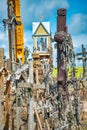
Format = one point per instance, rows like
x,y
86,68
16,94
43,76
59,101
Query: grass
x,y
78,72
54,72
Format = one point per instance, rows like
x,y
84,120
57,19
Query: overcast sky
x,y
31,10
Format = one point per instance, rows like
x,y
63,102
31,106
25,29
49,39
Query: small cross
x,y
41,18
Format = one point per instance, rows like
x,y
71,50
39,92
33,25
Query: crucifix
x,y
11,22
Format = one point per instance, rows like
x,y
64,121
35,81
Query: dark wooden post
x,y
61,20
61,27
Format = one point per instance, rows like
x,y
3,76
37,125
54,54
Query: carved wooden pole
x,y
61,20
59,37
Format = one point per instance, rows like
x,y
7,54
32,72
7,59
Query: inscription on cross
x,y
83,58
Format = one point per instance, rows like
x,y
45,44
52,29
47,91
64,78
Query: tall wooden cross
x,y
83,58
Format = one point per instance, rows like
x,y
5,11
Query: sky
x,y
31,10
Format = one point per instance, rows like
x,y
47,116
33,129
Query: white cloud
x,y
54,55
31,11
78,40
3,36
78,62
4,43
78,30
28,36
7,54
78,24
28,42
3,9
3,4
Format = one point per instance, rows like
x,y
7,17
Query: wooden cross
x,y
41,18
83,58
